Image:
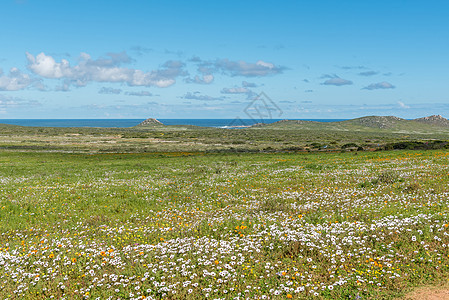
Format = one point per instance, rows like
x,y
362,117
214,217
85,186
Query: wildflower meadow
x,y
222,226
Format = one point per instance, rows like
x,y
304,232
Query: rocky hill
x,y
381,122
150,122
436,120
392,124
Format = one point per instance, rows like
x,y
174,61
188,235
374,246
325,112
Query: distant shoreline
x,y
125,123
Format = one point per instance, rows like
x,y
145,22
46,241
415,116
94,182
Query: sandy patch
x,y
429,293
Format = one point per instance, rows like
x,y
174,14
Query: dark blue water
x,y
121,123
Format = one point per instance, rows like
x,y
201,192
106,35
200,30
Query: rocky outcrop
x,y
437,120
381,122
150,122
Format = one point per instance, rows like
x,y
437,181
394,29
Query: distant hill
x,y
382,122
150,122
154,124
388,124
392,124
437,120
9,125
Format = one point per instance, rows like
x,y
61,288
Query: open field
x,y
224,150
189,225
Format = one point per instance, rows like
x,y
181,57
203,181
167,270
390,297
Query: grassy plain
x,y
191,225
284,136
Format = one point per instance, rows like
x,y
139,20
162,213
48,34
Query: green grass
x,y
172,225
278,137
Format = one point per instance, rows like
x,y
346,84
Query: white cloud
x,y
139,94
242,68
237,68
248,84
239,90
64,87
106,90
368,73
7,103
336,80
205,79
103,70
235,90
380,85
47,67
208,78
265,64
16,80
197,96
403,105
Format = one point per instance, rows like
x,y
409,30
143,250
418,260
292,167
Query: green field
x,y
191,225
367,133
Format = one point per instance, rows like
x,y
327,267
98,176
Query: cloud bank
x,y
109,91
197,96
368,73
206,69
242,68
103,70
335,80
380,85
16,80
139,94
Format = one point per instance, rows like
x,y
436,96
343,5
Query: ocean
x,y
122,123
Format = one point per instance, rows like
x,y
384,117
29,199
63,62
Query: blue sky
x,y
210,59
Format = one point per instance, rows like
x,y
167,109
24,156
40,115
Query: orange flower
x,y
289,296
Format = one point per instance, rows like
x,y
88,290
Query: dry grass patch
x,y
429,293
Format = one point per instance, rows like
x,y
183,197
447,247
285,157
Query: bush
x,y
315,145
412,187
274,205
366,183
416,145
388,177
134,135
293,148
349,145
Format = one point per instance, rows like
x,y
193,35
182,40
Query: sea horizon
x,y
124,123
